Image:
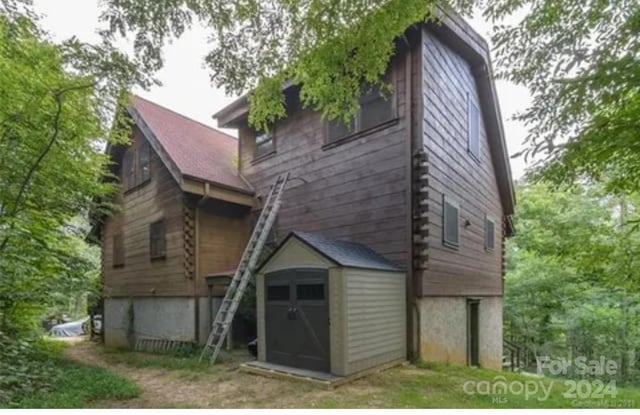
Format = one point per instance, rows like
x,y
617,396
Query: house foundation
x,y
444,332
167,318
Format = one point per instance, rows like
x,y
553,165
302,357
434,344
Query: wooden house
x,y
183,213
422,178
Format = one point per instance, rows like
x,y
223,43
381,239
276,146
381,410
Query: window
x,y
310,292
489,234
278,293
473,333
136,166
375,109
118,251
143,162
450,231
157,241
263,145
473,129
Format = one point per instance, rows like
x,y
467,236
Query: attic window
x,y
135,165
375,109
473,129
450,219
489,234
264,145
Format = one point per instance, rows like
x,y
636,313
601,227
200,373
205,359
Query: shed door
x,y
297,319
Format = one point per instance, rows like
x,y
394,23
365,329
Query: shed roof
x,y
343,253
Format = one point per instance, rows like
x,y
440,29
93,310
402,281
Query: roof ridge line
x,y
184,116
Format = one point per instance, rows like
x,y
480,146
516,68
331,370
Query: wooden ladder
x,y
245,270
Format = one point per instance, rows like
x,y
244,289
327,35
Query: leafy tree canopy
x,y
328,48
579,60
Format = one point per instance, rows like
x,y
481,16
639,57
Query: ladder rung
x,y
244,273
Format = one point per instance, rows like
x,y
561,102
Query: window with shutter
x,y
143,162
473,131
489,234
136,168
118,251
129,169
157,240
450,230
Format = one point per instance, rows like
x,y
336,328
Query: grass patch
x,y
76,385
186,366
436,385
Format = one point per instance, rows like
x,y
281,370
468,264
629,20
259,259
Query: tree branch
x,y
29,177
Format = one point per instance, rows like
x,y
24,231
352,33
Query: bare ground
x,y
224,386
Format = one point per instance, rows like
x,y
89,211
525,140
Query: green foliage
x,y
580,61
51,381
328,49
25,369
572,280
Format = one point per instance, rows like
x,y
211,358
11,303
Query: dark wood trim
x,y
264,157
355,136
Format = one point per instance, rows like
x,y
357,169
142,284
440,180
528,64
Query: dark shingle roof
x,y
346,254
198,150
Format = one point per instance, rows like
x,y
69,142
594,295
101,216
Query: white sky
x,y
185,82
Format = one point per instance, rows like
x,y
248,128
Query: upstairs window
x,y
375,109
489,234
118,251
473,129
135,165
450,220
157,240
264,145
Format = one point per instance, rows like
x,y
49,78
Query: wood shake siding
x,y
355,191
470,269
159,198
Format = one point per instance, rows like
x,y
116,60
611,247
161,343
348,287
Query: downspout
x,y
410,301
196,300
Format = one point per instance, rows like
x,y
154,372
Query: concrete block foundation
x,y
170,318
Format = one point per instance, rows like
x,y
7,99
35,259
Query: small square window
x,y
264,145
473,131
278,293
489,234
157,240
310,292
450,230
118,251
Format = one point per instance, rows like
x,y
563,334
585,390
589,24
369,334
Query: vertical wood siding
x,y
160,198
469,270
355,191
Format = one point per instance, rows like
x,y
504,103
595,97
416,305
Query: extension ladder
x,y
245,270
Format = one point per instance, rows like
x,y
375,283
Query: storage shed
x,y
329,306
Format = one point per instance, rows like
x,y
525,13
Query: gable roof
x,y
459,36
189,148
343,253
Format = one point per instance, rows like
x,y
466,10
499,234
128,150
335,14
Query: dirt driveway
x,y
221,386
